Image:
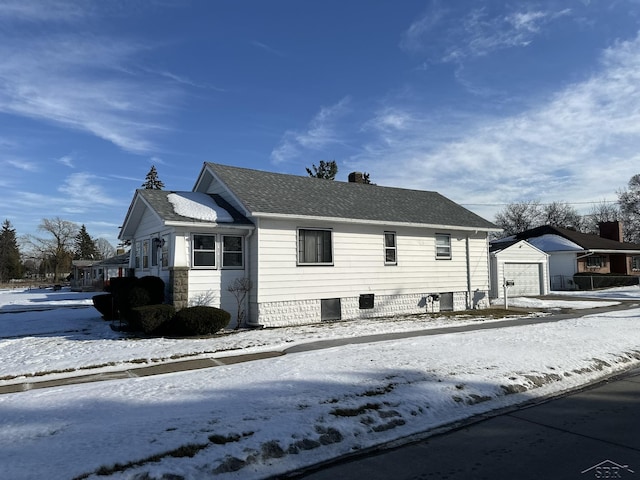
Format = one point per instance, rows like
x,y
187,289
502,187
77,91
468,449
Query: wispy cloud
x,y
320,133
24,165
555,151
83,192
34,11
448,38
81,81
267,48
66,160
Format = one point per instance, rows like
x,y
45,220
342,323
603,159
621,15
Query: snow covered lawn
x,y
256,419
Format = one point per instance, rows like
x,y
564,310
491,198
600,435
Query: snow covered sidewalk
x,y
253,420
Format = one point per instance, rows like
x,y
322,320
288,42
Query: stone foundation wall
x,y
178,287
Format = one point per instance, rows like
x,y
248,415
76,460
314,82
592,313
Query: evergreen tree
x,y
151,181
85,246
326,170
10,264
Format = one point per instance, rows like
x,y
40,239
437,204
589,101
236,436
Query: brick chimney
x,y
611,230
356,177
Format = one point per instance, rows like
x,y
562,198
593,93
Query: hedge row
x,y
593,281
139,302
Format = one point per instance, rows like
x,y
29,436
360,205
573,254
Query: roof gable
x,y
263,193
165,208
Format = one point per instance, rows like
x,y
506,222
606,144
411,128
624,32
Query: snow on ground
x,y
262,418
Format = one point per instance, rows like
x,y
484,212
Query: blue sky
x,y
486,102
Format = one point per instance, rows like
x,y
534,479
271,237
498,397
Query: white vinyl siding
x,y
357,268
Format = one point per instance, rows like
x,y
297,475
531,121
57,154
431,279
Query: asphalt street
x,y
593,433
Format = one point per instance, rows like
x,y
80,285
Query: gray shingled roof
x,y
159,202
276,193
585,240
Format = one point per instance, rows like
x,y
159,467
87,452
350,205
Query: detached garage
x,y
525,267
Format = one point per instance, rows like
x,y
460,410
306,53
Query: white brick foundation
x,y
290,313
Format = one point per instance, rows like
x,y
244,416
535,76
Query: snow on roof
x,y
554,243
199,206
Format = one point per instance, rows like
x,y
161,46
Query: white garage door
x,y
526,277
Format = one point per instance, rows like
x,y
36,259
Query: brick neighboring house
x,y
572,252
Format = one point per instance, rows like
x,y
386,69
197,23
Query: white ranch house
x,y
313,249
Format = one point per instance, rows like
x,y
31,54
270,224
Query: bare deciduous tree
x,y
105,249
600,212
57,249
561,214
518,217
629,201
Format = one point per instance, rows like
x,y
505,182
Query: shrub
x,y
154,287
199,320
150,318
587,281
105,304
133,292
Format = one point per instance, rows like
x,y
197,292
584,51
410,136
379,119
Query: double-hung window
x,y
165,251
635,263
145,254
232,256
595,261
136,259
314,247
390,248
443,246
204,251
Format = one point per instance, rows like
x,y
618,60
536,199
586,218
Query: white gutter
x,y
358,221
248,270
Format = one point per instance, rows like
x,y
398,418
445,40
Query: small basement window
x,y
366,301
330,309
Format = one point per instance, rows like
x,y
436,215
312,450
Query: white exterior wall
x,y
523,253
149,228
206,286
289,294
562,267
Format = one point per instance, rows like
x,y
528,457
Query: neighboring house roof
x,y
274,194
573,241
122,259
163,204
496,248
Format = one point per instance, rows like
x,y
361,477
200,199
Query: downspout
x,y
468,253
250,323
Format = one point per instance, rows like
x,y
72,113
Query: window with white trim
x,y
232,252
390,248
314,247
136,260
165,251
635,263
145,254
203,251
443,246
155,248
595,261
